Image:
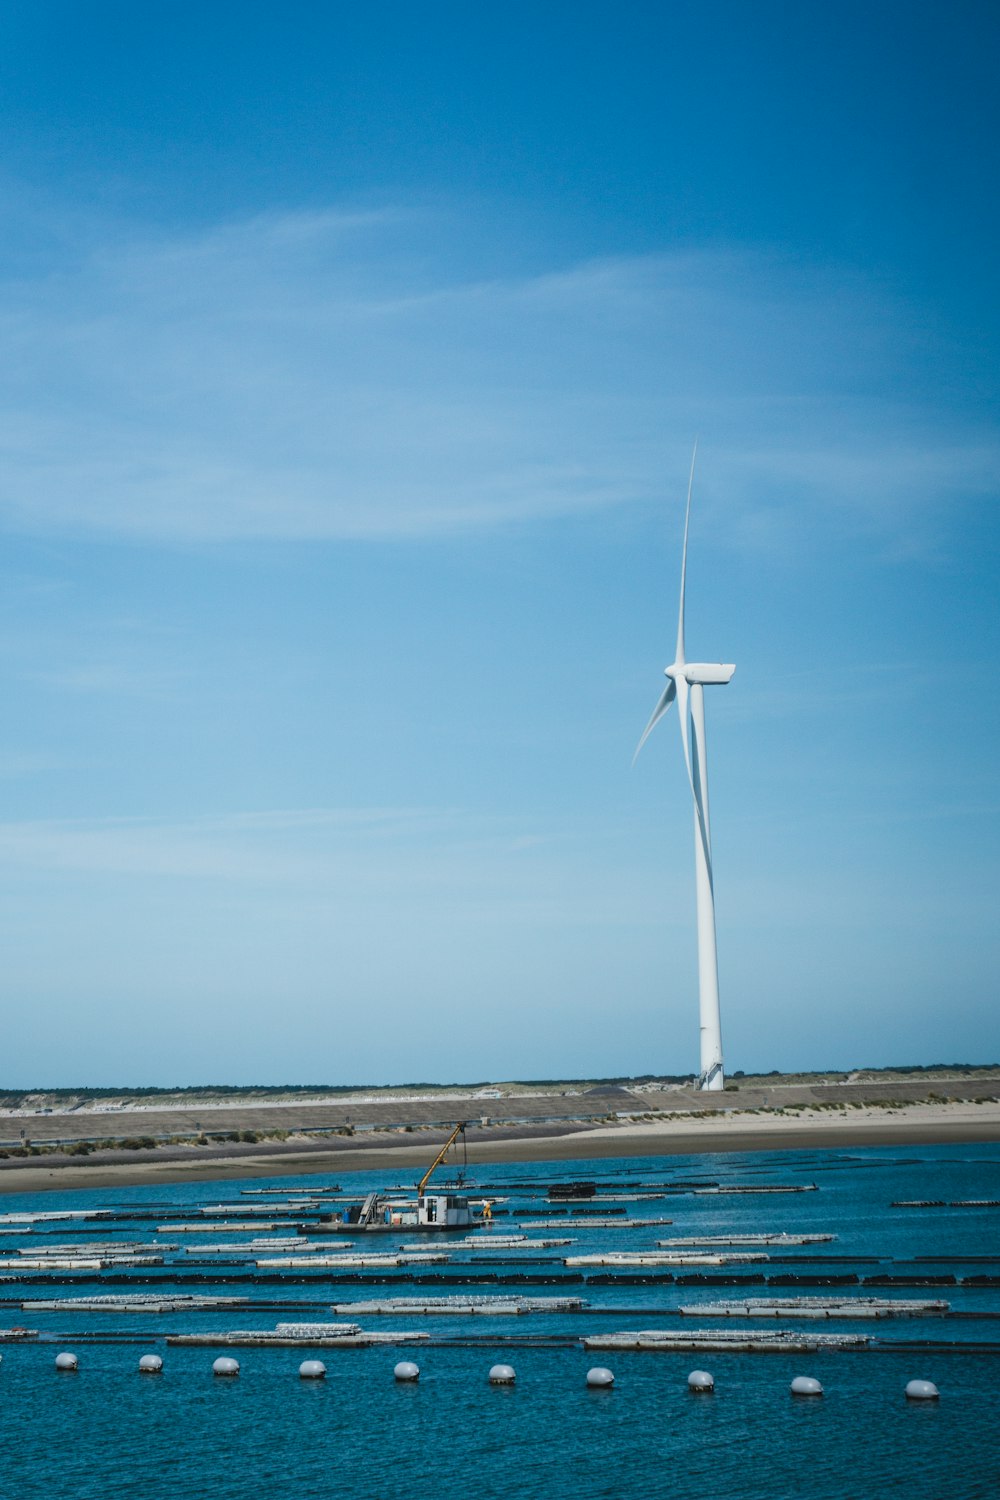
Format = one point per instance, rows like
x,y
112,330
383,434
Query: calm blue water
x,y
107,1431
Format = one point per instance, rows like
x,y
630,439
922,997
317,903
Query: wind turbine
x,y
686,681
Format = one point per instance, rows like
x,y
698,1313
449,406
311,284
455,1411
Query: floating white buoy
x,y
312,1369
150,1364
922,1390
66,1362
225,1365
701,1382
502,1375
600,1379
407,1370
805,1385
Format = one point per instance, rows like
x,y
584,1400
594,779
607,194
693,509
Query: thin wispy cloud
x,y
310,375
107,679
375,868
348,846
15,763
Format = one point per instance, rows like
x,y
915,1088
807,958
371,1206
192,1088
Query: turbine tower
x,y
686,681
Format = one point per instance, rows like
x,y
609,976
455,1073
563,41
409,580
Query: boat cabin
x,y
444,1211
429,1211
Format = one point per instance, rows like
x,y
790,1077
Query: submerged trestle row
x,y
289,1254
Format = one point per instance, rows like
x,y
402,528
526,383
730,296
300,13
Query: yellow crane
x,y
458,1130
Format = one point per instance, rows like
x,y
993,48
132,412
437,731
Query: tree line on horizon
x,y
12,1098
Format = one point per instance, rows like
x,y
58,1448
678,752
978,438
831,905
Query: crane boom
x,y
458,1130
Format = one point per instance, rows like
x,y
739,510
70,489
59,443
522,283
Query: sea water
x,y
107,1431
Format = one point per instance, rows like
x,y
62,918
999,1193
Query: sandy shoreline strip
x,y
912,1125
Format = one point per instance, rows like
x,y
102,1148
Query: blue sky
x,y
351,367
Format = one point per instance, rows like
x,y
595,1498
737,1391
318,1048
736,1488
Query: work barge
x,y
388,1213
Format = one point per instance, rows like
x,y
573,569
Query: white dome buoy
x,y
701,1382
805,1385
225,1365
407,1370
502,1375
922,1390
150,1364
312,1369
66,1361
600,1379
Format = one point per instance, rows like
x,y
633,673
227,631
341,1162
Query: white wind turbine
x,y
686,682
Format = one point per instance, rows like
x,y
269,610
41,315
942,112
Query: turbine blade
x,y
706,842
684,717
684,714
696,770
679,656
666,698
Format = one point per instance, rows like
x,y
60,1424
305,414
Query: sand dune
x,y
913,1124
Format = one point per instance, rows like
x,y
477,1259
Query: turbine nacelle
x,y
706,672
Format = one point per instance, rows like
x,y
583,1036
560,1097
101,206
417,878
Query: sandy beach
x,y
910,1125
